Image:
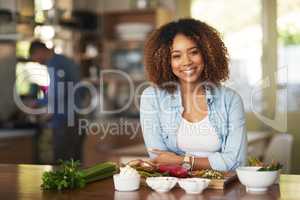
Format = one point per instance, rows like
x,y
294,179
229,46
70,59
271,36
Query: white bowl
x,y
193,185
161,184
256,181
126,183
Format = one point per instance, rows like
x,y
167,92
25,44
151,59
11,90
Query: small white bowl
x,y
256,181
161,184
193,185
126,183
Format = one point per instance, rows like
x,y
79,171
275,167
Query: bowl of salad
x,y
258,176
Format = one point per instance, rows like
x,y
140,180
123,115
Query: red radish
x,y
173,170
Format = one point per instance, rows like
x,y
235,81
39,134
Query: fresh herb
x,y
274,166
69,176
264,167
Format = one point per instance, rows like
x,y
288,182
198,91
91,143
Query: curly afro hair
x,y
157,52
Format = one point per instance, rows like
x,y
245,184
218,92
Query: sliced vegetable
x,y
209,173
174,170
149,174
143,165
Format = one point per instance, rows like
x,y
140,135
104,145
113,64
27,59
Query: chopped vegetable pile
x,y
173,170
148,169
209,173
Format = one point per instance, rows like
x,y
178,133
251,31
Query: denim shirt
x,y
161,114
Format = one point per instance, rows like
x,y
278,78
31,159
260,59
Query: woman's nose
x,y
186,60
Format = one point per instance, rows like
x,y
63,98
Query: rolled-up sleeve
x,y
149,119
235,151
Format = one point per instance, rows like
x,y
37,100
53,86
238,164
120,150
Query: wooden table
x,y
23,182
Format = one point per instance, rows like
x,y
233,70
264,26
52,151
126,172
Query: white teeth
x,y
188,72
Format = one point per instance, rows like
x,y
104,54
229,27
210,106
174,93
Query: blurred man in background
x,y
63,72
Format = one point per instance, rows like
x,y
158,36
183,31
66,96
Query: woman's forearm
x,y
165,158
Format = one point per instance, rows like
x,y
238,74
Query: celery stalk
x,y
99,169
99,177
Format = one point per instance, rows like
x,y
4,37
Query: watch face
x,y
187,166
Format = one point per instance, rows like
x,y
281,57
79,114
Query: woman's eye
x,y
195,52
175,56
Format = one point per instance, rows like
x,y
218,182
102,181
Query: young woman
x,y
187,116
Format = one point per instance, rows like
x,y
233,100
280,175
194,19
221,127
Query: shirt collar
x,y
175,98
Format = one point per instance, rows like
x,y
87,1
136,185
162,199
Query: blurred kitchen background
x,y
262,36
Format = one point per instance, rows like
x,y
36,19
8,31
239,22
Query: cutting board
x,y
222,183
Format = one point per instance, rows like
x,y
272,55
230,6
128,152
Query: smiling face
x,y
186,60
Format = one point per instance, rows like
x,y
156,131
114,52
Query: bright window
x,y
240,25
288,54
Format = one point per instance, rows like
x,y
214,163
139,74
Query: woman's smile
x,y
189,71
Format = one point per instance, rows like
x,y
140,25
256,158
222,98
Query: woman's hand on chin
x,y
166,157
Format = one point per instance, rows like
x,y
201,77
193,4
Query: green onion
x,y
69,176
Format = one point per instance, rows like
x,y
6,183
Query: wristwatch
x,y
187,163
